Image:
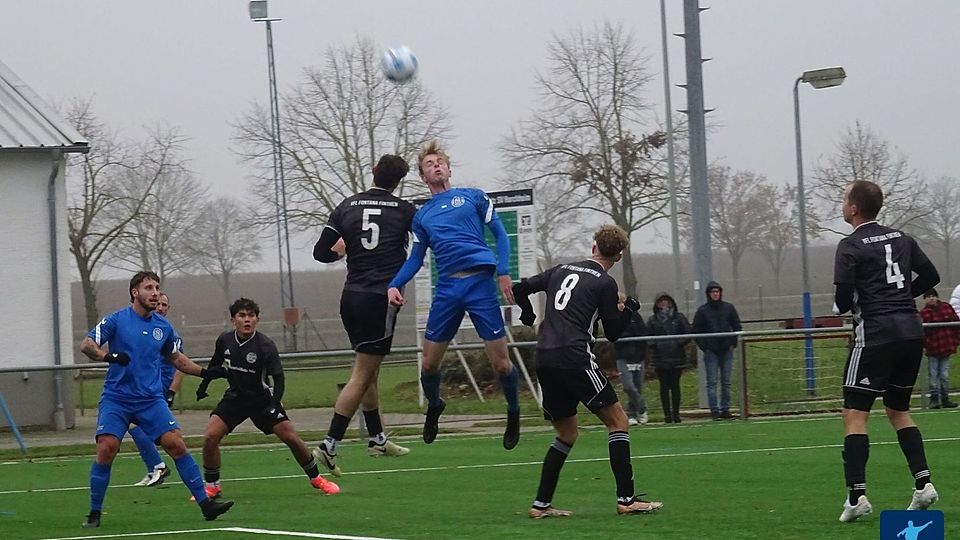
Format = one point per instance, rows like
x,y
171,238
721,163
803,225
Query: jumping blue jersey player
x,y
452,224
139,342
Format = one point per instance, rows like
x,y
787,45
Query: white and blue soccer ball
x,y
399,64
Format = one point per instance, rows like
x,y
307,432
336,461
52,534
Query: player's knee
x,y
503,368
107,448
174,446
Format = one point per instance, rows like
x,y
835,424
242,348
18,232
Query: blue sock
x,y
431,388
99,480
146,447
190,474
511,390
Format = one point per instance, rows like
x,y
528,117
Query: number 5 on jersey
x,y
893,269
374,240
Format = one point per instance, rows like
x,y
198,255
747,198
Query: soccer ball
x,y
399,64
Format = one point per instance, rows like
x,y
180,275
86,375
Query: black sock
x,y
338,427
856,452
619,443
911,444
211,476
374,425
311,468
550,474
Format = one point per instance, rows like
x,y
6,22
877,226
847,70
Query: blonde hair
x,y
432,149
611,240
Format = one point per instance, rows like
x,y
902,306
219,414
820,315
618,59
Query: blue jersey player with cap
x,y
139,342
452,224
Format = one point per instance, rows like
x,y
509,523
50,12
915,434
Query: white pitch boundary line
x,y
517,464
821,417
228,529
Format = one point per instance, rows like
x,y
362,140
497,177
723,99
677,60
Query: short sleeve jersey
x,y
579,295
375,227
879,261
452,225
148,341
248,363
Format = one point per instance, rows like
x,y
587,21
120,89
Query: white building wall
x,y
26,320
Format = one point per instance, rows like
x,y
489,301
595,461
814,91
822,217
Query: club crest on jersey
x,y
251,357
157,334
457,201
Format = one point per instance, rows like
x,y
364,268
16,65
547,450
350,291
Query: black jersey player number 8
x,y
367,225
893,269
565,292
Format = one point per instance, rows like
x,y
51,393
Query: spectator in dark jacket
x,y
668,356
717,316
630,356
939,344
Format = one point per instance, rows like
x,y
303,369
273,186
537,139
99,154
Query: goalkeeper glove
x,y
528,317
121,358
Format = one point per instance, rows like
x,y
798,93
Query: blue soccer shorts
x,y
153,416
475,294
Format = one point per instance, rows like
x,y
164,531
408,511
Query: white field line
x,y
515,464
227,529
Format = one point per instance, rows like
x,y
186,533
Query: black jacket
x,y
633,352
716,316
668,353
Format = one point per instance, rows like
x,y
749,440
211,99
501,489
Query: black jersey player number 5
x,y
893,268
566,291
374,240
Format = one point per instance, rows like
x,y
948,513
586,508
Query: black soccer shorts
x,y
369,321
262,412
564,389
889,370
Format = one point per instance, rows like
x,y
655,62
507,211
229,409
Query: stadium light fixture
x,y
817,78
824,78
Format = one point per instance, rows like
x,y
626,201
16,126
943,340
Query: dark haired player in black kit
x,y
577,295
873,274
249,357
372,228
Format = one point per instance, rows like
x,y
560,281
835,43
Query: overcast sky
x,y
199,65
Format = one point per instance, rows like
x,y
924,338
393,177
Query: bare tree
x,y
101,204
160,235
942,223
862,154
781,229
594,133
225,242
335,125
739,212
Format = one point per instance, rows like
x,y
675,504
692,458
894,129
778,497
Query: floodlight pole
x,y
802,210
819,78
279,186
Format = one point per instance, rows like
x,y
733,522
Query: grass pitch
x,y
756,479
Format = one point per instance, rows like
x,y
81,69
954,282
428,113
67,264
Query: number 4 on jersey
x,y
893,269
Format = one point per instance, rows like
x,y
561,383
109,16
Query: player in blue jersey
x,y
452,224
133,392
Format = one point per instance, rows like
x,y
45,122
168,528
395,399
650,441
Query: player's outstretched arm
x,y
503,257
185,364
410,267
521,294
